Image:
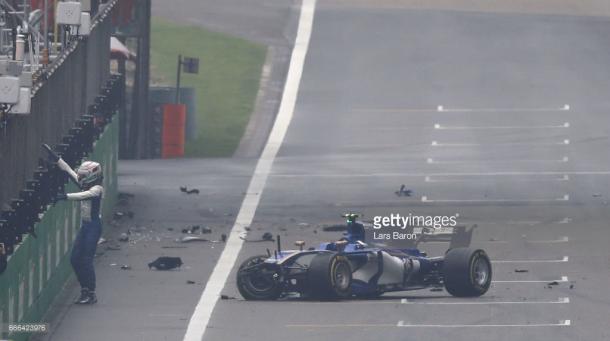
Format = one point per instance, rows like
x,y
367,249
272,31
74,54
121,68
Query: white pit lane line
x,y
565,259
563,279
561,323
425,199
439,126
204,309
560,300
532,144
447,174
430,160
402,324
441,178
563,239
441,108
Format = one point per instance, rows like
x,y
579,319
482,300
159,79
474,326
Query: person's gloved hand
x,y
61,196
53,157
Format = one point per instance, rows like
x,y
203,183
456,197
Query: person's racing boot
x,y
86,297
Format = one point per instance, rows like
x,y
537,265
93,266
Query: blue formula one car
x,y
350,268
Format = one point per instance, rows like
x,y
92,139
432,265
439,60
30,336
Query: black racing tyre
x,y
255,282
329,276
467,272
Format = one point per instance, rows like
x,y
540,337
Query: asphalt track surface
x,y
503,151
501,118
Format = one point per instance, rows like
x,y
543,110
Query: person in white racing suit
x,y
89,177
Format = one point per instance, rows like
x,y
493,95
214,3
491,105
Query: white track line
x,y
406,174
564,177
563,279
203,311
449,127
425,199
563,239
560,300
441,108
561,323
463,161
401,324
561,143
565,259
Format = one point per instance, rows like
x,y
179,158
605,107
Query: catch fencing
x,y
61,94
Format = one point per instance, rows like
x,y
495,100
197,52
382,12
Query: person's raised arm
x,y
66,168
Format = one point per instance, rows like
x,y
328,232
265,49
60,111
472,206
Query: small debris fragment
x,y
550,285
125,267
303,224
521,270
571,286
190,282
597,195
266,237
223,237
124,237
173,247
403,191
170,228
206,230
184,189
113,248
118,215
225,297
188,239
166,263
101,241
436,289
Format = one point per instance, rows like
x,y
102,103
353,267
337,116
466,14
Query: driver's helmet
x,y
355,230
351,217
89,173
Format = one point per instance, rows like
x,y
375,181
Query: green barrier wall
x,y
39,267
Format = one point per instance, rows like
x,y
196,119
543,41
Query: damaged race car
x,y
351,268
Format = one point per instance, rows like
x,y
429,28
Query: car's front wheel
x,y
256,282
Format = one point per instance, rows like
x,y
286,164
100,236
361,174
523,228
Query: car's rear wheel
x,y
467,272
329,276
257,282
